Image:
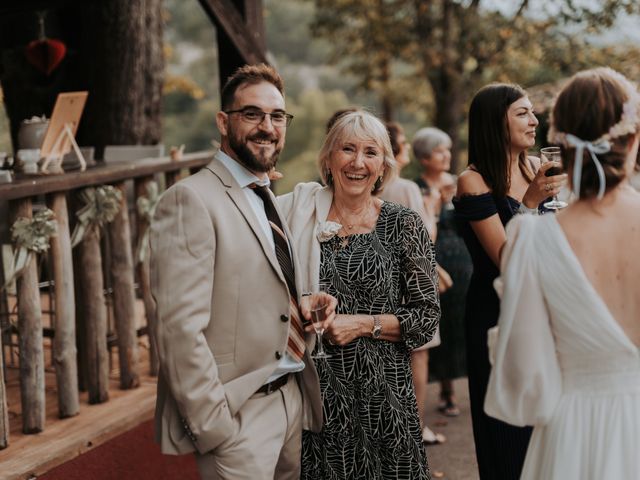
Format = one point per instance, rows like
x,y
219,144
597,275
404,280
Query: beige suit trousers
x,y
267,441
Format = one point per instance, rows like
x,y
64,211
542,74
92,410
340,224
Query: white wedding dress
x,y
562,362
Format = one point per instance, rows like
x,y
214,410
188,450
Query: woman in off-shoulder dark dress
x,y
499,182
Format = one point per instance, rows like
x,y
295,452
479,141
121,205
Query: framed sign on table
x,y
60,136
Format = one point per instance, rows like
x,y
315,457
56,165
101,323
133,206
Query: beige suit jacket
x,y
223,312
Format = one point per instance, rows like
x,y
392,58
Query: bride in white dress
x,y
567,356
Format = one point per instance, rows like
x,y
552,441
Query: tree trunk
x,y
440,66
126,84
386,99
448,103
114,50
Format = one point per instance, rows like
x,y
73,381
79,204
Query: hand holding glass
x,y
319,302
552,154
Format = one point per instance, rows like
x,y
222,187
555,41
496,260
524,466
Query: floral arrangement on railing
x,y
30,236
102,204
146,209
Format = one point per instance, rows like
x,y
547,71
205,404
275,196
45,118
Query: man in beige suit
x,y
233,384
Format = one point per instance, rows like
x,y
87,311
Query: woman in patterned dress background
x,y
405,192
432,150
377,259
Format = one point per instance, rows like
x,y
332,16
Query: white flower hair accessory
x,y
325,231
628,121
628,124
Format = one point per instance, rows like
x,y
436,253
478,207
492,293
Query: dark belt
x,y
277,384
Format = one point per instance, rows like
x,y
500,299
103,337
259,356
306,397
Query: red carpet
x,y
133,455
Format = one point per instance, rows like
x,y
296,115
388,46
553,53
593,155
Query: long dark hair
x,y
489,137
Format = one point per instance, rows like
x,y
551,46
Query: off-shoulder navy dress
x,y
500,448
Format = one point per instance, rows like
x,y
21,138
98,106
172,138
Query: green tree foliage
x,y
314,89
191,89
287,25
455,46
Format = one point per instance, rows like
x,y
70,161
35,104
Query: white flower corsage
x,y
325,231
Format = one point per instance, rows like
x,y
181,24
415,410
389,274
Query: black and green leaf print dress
x,y
371,428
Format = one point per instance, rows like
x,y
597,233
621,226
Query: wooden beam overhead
x,y
11,8
248,42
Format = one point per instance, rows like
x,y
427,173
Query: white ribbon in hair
x,y
602,146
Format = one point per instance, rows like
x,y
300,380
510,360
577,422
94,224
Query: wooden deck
x,y
29,456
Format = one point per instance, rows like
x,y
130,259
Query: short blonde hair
x,y
362,125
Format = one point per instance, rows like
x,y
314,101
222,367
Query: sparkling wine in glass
x,y
319,306
552,154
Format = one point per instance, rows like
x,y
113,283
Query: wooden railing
x,y
77,276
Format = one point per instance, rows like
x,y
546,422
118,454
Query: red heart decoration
x,y
45,54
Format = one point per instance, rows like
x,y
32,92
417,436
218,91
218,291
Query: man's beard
x,y
259,163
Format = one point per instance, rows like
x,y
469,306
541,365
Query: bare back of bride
x,y
567,358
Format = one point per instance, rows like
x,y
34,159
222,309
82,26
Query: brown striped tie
x,y
295,344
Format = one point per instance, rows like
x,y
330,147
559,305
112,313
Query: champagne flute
x,y
552,154
319,304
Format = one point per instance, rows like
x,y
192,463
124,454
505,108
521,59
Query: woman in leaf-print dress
x,y
377,259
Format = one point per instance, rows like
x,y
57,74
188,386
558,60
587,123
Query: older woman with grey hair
x,y
377,259
431,147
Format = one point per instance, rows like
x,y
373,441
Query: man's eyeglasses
x,y
256,116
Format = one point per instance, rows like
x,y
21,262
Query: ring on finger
x,y
547,187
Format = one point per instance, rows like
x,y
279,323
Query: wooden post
x,y
64,341
4,413
171,177
30,337
124,294
81,327
4,305
78,274
145,282
94,311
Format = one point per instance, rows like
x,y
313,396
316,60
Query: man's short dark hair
x,y
249,75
